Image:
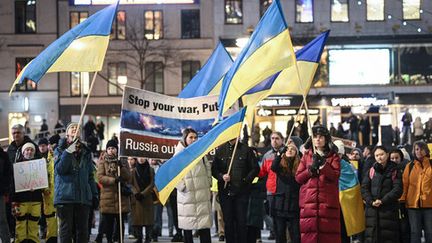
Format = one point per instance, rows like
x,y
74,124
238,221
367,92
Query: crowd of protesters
x,y
292,185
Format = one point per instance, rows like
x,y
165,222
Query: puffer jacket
x,y
106,173
74,176
265,170
319,200
244,168
417,185
193,196
385,185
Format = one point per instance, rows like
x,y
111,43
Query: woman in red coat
x,y
318,175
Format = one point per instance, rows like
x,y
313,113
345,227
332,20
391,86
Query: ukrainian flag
x,y
351,200
81,49
268,51
209,79
286,81
171,172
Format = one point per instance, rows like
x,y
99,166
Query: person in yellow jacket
x,y
26,205
49,210
417,192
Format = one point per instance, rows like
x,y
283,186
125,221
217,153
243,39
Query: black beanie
x,y
43,141
112,143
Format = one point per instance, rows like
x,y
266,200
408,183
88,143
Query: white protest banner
x,y
30,175
151,123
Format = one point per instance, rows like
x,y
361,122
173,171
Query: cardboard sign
x,y
151,123
30,175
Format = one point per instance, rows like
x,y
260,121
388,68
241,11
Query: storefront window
x,y
411,9
304,11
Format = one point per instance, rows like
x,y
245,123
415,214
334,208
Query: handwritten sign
x,y
30,175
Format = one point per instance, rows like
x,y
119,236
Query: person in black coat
x,y
5,187
381,189
285,208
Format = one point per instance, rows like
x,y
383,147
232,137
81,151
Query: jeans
x,y
406,132
4,227
157,227
420,219
73,216
234,210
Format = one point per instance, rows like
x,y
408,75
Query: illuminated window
x,y
304,11
264,4
190,24
118,30
76,18
233,12
411,9
189,69
80,80
153,25
339,11
25,17
375,10
155,80
27,85
115,70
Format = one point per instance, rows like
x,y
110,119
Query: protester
x,y
285,209
110,177
318,175
100,130
354,127
417,192
265,171
44,129
369,160
406,127
49,212
266,133
142,200
74,172
132,161
397,157
418,129
235,195
381,189
5,187
59,127
26,206
193,195
218,215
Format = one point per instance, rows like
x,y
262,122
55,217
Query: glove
x,y
95,203
282,150
139,196
72,147
117,180
378,168
318,160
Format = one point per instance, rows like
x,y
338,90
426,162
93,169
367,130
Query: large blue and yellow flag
x,y
208,80
173,170
287,82
268,51
351,200
81,49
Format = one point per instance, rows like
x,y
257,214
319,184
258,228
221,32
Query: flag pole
x,y
232,157
85,104
295,119
120,213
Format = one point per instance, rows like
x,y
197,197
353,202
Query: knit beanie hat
x,y
112,143
297,141
28,145
43,141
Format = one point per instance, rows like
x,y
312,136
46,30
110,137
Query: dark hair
x,y
185,134
379,147
278,133
398,151
323,131
422,145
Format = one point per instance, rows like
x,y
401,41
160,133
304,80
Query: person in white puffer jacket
x,y
194,196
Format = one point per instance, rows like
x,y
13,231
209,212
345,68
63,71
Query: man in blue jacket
x,y
75,187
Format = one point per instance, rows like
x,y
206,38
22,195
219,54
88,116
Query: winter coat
x,y
107,171
286,199
194,196
5,173
13,150
74,176
418,128
142,211
244,168
266,171
385,185
255,212
319,200
417,185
